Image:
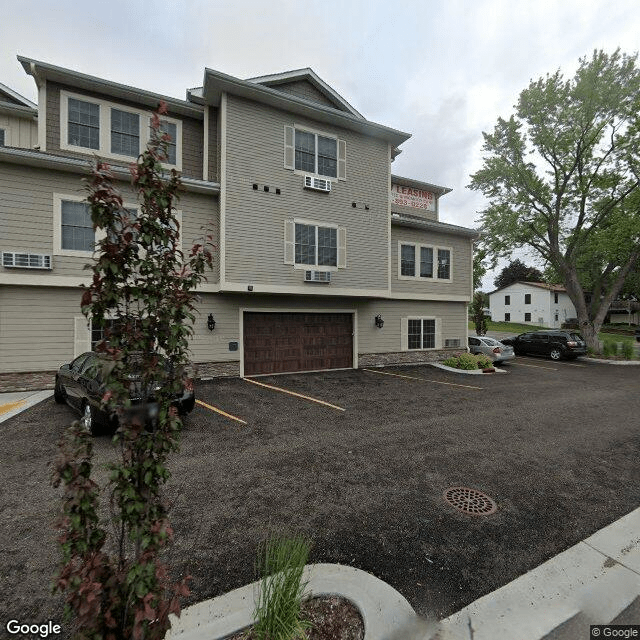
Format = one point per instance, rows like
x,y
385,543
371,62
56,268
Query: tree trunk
x,y
590,334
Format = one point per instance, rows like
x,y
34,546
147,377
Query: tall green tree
x,y
518,271
562,177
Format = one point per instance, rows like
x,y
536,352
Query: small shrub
x,y
280,565
484,362
627,350
610,348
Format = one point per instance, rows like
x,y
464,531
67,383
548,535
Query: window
x,y
426,262
115,132
527,317
427,267
77,228
125,133
2,142
507,300
84,124
555,298
316,153
171,129
507,317
527,298
316,245
408,260
421,333
444,264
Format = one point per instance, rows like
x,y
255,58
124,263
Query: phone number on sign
x,y
410,202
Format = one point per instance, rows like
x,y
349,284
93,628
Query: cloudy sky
x,y
440,70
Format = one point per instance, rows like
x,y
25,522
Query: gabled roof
x,y
45,71
540,285
217,83
310,76
9,95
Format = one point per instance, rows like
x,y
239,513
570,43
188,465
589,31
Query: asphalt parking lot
x,y
362,472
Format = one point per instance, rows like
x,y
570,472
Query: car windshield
x,y
576,336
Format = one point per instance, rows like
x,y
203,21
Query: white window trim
x,y
417,275
58,198
316,132
437,337
315,267
104,149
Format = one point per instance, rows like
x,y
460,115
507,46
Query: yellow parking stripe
x,y
220,411
10,406
293,393
567,364
397,375
537,366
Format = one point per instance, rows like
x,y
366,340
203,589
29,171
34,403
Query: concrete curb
x,y
385,612
596,579
24,400
473,372
619,362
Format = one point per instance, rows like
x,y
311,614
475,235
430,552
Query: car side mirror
x,y
65,367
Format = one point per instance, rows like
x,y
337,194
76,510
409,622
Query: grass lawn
x,y
515,327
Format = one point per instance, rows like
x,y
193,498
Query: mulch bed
x,y
332,618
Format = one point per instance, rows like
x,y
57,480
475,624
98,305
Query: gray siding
x,y
192,130
255,219
460,263
26,216
214,146
304,89
37,327
214,346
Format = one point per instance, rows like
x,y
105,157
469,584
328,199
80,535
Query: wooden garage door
x,y
287,342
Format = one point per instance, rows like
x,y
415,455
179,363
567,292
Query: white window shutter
x,y
438,333
81,336
342,248
342,160
289,241
289,148
404,332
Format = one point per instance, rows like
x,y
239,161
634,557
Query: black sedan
x,y
80,385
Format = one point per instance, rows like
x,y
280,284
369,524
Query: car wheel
x,y
89,419
555,354
58,393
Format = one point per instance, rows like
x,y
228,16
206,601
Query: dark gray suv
x,y
554,343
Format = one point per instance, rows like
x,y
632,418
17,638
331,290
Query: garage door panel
x,y
288,342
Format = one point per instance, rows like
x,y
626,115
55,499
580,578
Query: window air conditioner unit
x,y
317,276
13,259
452,342
318,184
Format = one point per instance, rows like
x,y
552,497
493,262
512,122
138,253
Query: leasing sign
x,y
414,198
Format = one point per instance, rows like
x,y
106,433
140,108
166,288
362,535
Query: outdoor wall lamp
x,y
211,323
379,321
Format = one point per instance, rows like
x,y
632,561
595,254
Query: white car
x,y
491,347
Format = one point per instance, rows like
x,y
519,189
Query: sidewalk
x,y
12,404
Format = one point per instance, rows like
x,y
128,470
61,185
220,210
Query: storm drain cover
x,y
470,501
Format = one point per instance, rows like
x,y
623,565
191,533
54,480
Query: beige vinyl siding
x,y
19,132
460,262
192,130
26,216
304,89
213,346
255,219
37,327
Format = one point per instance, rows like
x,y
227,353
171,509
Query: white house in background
x,y
536,303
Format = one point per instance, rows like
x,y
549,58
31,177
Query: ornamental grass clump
x,y
280,565
610,348
627,350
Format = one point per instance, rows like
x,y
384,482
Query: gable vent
x,y
13,259
318,184
452,342
317,276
